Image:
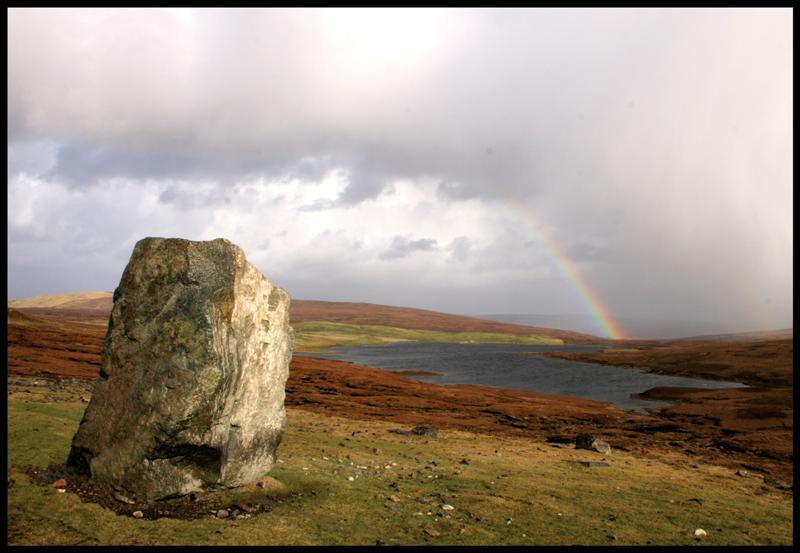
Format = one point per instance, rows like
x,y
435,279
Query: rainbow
x,y
585,294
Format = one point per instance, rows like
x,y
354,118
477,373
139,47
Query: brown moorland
x,y
97,307
748,429
759,362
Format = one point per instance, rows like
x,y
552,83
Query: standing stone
x,y
192,381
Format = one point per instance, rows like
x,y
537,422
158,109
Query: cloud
x,y
460,248
652,147
402,246
457,191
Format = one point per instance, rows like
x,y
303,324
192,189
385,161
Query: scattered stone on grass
x,y
60,483
700,533
124,499
601,447
419,430
590,464
183,507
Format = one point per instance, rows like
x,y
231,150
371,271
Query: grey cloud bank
x,y
654,145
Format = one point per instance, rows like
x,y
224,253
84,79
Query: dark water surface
x,y
502,365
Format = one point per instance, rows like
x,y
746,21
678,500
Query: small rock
x,y
425,430
742,473
432,532
590,464
447,507
601,447
700,533
350,478
137,514
61,490
222,513
60,483
119,497
394,498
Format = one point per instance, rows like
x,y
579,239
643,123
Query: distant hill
x,y
69,300
420,319
96,307
639,328
755,336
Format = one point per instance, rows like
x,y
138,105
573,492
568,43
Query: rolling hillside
x,y
95,307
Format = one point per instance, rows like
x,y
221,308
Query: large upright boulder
x,y
194,367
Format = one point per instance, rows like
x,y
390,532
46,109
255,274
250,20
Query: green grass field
x,y
509,491
314,335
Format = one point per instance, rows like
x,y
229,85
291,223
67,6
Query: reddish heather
x,y
748,428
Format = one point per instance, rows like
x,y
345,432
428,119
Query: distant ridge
x,y
96,306
421,319
753,336
70,299
640,328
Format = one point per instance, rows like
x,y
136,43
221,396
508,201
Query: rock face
x,y
194,367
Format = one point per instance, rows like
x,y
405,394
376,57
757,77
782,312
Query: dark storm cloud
x,y
653,144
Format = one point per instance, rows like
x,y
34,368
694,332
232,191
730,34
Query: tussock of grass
x,y
509,491
314,335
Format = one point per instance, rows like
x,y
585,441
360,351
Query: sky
x,y
604,162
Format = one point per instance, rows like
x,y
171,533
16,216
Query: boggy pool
x,y
506,366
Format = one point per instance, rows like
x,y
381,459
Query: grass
x,y
314,335
509,491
